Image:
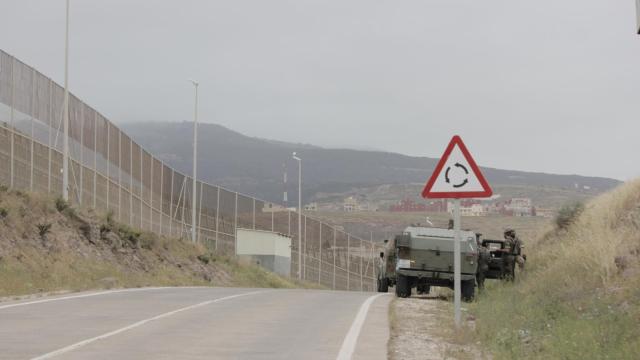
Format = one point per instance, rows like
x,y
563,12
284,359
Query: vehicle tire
x,y
403,289
468,289
423,289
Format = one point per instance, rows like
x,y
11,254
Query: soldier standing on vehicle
x,y
483,263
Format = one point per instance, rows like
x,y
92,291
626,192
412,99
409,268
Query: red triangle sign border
x,y
428,194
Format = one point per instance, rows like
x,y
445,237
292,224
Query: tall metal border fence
x,y
111,172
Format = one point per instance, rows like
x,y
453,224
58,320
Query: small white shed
x,y
268,249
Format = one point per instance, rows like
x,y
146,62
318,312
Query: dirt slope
x,y
46,246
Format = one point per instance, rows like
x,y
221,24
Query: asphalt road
x,y
197,323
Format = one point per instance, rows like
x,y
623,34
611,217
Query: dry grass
x,y
580,296
82,250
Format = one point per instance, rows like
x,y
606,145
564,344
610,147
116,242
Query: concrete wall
x,y
278,264
265,248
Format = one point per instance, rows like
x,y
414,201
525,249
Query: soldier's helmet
x,y
509,232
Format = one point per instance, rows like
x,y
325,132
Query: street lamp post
x,y
65,116
194,224
295,157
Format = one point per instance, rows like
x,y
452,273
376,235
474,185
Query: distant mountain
x,y
255,166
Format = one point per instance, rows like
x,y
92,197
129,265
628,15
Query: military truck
x,y
497,268
423,257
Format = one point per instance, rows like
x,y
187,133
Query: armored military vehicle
x,y
423,257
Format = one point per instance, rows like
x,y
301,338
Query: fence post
x,y
374,268
348,262
334,259
235,233
273,224
151,194
361,267
11,116
131,182
50,134
119,175
304,251
254,214
217,219
199,223
184,201
171,206
81,162
320,260
142,188
161,194
95,157
33,97
108,165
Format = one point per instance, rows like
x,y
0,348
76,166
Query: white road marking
x,y
135,325
350,341
88,295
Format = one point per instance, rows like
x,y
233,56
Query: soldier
x,y
450,225
483,263
509,253
520,258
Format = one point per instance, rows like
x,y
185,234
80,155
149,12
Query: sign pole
x,y
456,263
457,176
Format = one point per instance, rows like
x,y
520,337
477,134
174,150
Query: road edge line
x,y
351,340
80,296
138,324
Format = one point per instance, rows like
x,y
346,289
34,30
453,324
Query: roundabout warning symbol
x,y
457,175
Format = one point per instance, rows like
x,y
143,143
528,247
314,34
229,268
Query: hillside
x,y
579,297
46,246
255,166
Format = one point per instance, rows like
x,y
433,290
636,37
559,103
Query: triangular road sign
x,y
457,175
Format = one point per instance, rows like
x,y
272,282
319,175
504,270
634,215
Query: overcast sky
x,y
544,85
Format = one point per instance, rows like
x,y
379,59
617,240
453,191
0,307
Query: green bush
x,y
148,240
3,213
130,235
206,258
61,204
71,213
109,218
568,214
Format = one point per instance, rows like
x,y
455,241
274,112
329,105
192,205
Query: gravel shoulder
x,y
422,329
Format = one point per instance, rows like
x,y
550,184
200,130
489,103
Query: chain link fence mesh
x,y
109,172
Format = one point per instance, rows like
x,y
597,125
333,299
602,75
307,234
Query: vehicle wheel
x,y
403,289
423,289
468,290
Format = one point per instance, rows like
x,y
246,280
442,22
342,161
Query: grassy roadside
x,y
580,295
47,246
